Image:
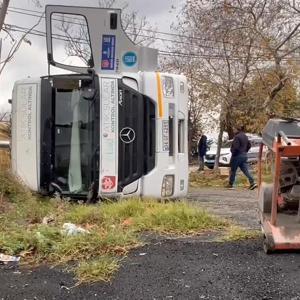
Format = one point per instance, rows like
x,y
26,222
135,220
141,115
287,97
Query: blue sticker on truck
x,y
108,52
129,59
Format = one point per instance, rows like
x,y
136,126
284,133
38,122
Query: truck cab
x,y
111,127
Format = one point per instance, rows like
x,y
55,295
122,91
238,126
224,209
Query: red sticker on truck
x,y
108,183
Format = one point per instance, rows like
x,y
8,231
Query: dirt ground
x,y
191,268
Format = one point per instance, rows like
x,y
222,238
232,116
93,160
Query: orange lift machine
x,y
279,209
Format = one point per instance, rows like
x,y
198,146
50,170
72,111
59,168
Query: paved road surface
x,y
239,205
174,270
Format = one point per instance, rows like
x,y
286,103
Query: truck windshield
x,y
74,141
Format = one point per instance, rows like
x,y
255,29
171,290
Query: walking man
x,y
202,148
239,159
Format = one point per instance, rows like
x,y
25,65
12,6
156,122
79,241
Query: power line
x,y
35,32
161,52
151,37
63,38
141,35
128,32
21,11
42,33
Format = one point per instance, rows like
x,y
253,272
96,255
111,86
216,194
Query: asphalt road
x,y
173,269
192,268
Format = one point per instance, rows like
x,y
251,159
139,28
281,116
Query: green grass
x,y
171,217
11,188
237,233
100,269
114,228
147,214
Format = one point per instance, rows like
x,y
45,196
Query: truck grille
x,y
136,115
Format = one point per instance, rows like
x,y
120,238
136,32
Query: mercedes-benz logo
x,y
127,135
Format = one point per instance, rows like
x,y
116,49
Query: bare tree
x,y
4,115
222,66
13,41
277,34
230,43
16,43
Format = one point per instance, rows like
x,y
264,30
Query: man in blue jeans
x,y
239,159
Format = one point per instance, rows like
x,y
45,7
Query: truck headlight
x,y
167,188
168,86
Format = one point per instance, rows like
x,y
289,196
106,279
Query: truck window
x,y
181,136
70,40
171,128
72,140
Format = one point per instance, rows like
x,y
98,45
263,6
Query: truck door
x,y
83,38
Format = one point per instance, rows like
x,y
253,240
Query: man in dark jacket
x,y
239,159
202,148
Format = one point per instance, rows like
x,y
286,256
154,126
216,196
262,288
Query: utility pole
x,y
3,12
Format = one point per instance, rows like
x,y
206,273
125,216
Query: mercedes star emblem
x,y
127,135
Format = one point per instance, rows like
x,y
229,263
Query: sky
x,y
31,60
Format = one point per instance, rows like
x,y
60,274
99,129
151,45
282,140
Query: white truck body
x,y
116,129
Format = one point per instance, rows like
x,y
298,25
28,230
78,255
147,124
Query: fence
x,y
4,159
4,146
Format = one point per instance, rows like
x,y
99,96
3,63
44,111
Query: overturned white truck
x,y
112,127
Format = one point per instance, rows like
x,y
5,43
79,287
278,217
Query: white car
x,y
225,154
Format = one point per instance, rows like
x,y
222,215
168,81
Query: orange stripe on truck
x,y
159,95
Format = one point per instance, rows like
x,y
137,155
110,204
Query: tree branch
x,y
3,12
17,45
288,37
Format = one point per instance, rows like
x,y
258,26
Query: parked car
x,y
225,154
